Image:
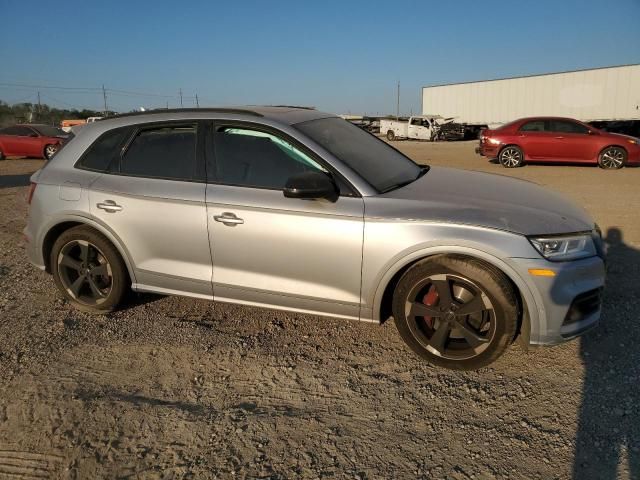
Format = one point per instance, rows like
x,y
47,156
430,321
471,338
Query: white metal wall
x,y
600,94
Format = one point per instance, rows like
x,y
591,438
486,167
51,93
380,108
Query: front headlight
x,y
565,247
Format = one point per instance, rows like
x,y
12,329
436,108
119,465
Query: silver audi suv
x,y
294,209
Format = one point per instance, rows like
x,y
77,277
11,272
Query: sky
x,y
339,56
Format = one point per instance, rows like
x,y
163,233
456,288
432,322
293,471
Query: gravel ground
x,y
181,388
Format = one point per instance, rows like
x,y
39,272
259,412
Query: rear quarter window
x,y
101,152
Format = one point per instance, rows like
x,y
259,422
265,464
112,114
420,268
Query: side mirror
x,y
311,185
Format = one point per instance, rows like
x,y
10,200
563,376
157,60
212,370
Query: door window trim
x,y
210,155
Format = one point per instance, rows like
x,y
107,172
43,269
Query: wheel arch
x,y
613,145
506,145
528,306
57,228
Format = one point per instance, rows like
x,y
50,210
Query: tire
x,y
612,158
473,330
391,136
88,270
511,157
50,150
2,157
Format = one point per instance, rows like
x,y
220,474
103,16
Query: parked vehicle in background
x,y
422,127
299,210
555,139
31,140
66,125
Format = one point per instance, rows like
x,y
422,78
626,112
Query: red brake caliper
x,y
430,299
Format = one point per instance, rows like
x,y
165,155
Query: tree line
x,y
43,113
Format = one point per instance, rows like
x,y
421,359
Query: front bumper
x,y
568,303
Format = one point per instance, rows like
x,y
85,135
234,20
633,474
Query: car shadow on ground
x,y
609,418
11,181
495,161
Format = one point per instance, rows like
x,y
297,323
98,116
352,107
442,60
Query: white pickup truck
x,y
423,127
419,127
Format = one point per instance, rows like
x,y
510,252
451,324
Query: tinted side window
x,y
9,131
534,126
103,150
18,131
257,159
564,126
163,152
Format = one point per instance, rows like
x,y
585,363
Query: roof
x,y
532,75
283,114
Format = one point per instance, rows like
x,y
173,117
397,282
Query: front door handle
x,y
229,219
109,206
558,137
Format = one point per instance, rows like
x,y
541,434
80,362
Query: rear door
x,y
537,141
275,251
573,141
153,199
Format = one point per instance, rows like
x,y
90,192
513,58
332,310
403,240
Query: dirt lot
x,y
177,388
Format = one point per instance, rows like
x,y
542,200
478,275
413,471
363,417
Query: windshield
x,y
383,167
48,131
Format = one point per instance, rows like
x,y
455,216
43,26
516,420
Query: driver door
x,y
419,129
274,251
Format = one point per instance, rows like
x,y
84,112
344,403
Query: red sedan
x,y
553,139
39,141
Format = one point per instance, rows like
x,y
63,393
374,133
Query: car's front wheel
x,y
612,158
511,157
455,312
2,157
88,270
50,151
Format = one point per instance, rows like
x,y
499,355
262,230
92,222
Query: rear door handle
x,y
558,137
229,219
109,206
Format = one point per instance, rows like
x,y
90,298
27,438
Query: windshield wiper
x,y
395,186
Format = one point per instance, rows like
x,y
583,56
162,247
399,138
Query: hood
x,y
483,199
617,135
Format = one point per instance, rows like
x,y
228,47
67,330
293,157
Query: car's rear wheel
x,y
612,158
391,136
511,156
455,312
2,157
88,270
50,151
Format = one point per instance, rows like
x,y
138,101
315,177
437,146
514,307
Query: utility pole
x,y
398,102
39,105
167,104
197,103
180,98
104,96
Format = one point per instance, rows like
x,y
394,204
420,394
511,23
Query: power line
x,y
24,85
76,107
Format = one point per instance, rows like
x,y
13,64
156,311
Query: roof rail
x,y
292,106
187,110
